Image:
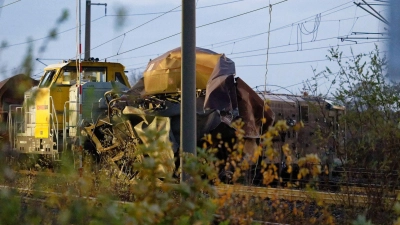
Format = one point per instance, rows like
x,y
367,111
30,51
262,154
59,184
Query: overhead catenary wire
x,y
202,7
280,46
262,54
259,49
308,49
227,42
272,47
295,84
265,77
337,7
242,39
288,63
141,25
297,62
377,13
9,4
302,30
354,20
207,24
299,21
121,43
270,51
302,82
285,45
48,36
38,39
255,50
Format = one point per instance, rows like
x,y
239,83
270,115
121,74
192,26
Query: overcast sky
x,y
302,31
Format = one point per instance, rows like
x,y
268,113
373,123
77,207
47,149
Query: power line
x,y
202,7
38,39
288,63
262,49
34,40
9,4
141,56
309,49
135,28
302,82
282,27
279,46
254,50
298,62
207,24
242,14
278,64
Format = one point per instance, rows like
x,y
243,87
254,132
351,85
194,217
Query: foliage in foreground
x,y
370,127
95,198
104,195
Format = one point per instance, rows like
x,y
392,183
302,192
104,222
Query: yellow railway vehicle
x,y
48,118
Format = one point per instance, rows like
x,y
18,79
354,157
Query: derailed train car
x,y
154,103
322,133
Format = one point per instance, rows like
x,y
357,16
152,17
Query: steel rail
x,y
349,195
300,195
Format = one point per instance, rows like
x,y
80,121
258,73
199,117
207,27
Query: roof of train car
x,y
296,99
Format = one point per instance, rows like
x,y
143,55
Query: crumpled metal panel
x,y
221,94
207,120
252,111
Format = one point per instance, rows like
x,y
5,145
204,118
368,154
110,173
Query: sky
x,y
135,31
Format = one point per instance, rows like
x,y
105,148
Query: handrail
x,y
65,127
65,123
53,115
11,134
22,120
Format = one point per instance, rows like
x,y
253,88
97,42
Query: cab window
x,y
67,75
89,74
47,78
94,74
304,113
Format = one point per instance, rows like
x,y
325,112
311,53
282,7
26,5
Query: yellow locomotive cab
x,y
50,111
58,79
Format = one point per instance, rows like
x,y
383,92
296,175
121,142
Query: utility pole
x,y
87,26
394,41
87,29
188,82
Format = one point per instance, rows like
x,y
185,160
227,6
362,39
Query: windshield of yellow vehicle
x,y
89,74
94,74
68,75
47,78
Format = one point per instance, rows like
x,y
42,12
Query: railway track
x,y
349,195
354,197
93,199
